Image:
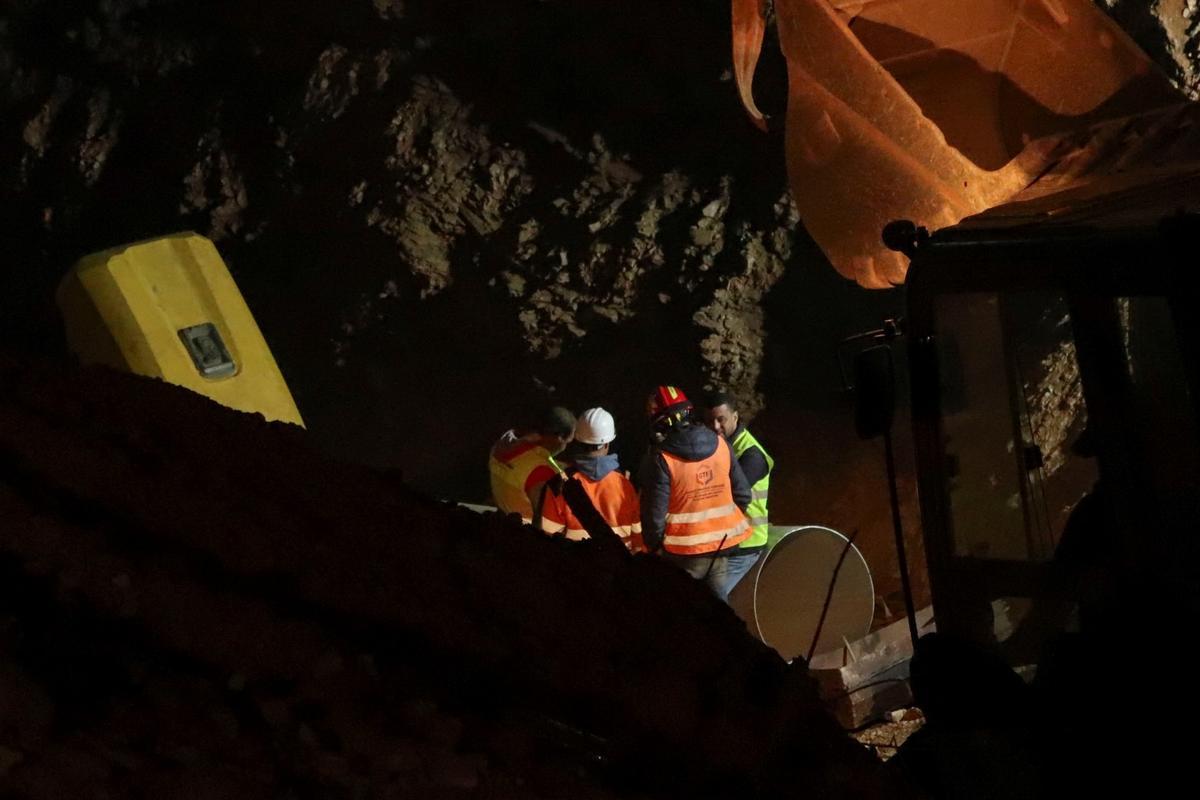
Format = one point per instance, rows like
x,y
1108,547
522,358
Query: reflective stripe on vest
x,y
701,515
510,473
757,510
615,500
712,537
626,532
551,527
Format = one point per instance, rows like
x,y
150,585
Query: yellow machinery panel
x,y
168,308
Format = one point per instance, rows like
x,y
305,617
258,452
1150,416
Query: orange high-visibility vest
x,y
614,498
701,514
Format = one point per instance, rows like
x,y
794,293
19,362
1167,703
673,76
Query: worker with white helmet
x,y
599,473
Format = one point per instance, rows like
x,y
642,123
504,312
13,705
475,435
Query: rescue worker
x,y
693,493
756,463
612,495
521,462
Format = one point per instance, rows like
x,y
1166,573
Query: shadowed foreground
x,y
196,603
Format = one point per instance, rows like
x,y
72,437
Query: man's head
x,y
668,407
594,433
557,429
721,413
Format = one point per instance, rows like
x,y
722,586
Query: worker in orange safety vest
x,y
521,462
612,495
693,493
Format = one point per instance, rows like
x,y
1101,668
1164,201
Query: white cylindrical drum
x,y
782,597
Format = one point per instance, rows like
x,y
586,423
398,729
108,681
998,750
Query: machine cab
x,y
1053,356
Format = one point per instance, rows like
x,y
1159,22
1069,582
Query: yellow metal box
x,y
168,308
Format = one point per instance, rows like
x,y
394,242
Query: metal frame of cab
x,y
1091,265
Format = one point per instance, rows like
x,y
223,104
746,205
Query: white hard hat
x,y
595,426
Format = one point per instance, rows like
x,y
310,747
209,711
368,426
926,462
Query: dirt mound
x,y
193,596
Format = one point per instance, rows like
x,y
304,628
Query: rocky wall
x,y
541,189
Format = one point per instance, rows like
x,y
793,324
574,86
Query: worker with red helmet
x,y
693,494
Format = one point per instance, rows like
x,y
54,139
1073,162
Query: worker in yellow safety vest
x,y
521,461
693,493
723,417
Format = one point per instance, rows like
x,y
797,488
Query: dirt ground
x,y
883,739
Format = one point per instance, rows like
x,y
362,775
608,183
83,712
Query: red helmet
x,y
668,404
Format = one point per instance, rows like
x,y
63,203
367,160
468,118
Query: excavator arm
x,y
933,110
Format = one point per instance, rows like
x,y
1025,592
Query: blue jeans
x,y
724,573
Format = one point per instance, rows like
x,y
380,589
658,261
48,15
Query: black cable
x,y
910,606
589,517
829,595
713,560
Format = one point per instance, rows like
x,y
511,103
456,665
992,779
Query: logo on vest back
x,y
705,474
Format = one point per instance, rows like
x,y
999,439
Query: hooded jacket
x,y
596,467
690,443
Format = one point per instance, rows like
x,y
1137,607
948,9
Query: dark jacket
x,y
690,443
753,463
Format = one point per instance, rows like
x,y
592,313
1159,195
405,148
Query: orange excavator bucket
x,y
932,110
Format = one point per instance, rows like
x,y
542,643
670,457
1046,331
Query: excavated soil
x,y
195,603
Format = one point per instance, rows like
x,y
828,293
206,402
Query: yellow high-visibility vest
x,y
510,473
757,510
